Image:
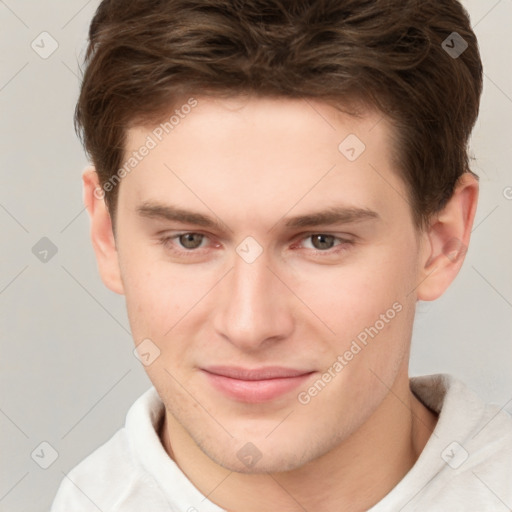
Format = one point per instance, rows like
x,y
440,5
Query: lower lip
x,y
255,391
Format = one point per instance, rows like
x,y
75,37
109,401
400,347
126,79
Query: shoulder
x,y
96,481
467,461
110,476
472,444
480,457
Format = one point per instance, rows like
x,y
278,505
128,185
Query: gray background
x,y
68,374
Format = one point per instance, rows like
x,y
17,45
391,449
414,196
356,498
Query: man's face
x,y
275,332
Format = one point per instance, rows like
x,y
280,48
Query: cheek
x,y
372,318
161,302
159,296
352,297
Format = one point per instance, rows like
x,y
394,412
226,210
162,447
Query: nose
x,y
254,306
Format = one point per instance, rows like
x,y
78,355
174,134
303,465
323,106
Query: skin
x,y
251,164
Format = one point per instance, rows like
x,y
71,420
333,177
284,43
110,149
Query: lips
x,y
255,385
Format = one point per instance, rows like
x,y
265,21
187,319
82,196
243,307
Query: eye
x,y
183,242
192,243
323,242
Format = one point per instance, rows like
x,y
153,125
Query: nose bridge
x,y
253,306
251,282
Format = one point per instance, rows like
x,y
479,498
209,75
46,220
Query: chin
x,y
263,466
249,459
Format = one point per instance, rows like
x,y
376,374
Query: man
x,y
275,186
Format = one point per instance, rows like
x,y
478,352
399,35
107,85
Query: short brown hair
x,y
386,54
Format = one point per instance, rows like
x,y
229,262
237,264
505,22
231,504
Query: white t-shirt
x,y
466,465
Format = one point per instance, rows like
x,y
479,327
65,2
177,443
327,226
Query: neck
x,y
355,475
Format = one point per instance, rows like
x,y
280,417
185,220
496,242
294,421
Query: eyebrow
x,y
327,217
330,216
172,213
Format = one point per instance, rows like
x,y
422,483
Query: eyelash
x,y
343,246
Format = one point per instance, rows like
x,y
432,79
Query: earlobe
x,y
447,239
102,235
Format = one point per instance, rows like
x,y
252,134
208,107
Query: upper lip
x,y
264,373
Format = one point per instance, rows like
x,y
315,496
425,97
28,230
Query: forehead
x,y
264,155
255,120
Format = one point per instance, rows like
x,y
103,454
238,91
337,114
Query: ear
x,y
446,240
102,235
